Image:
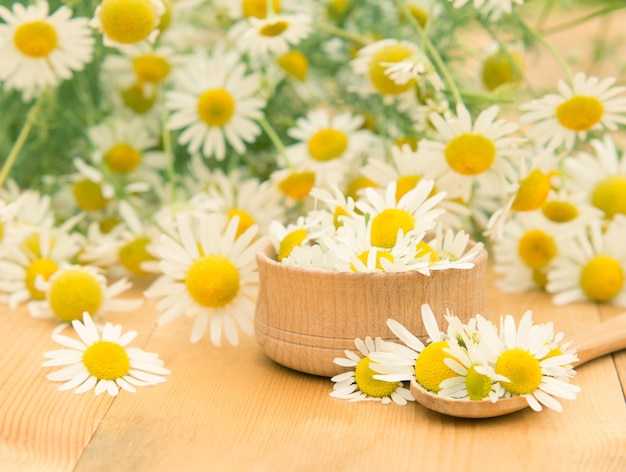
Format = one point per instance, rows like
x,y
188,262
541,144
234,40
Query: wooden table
x,y
232,409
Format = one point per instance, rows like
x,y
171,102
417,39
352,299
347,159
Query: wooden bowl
x,y
305,318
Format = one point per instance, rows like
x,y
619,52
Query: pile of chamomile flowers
x,y
472,361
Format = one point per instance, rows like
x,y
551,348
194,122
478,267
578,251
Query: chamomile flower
x,y
306,229
312,257
39,256
415,211
470,154
295,185
41,50
407,170
125,146
274,34
379,61
590,267
214,104
126,22
209,274
586,105
360,384
326,140
522,354
336,202
137,243
73,289
451,250
602,177
102,360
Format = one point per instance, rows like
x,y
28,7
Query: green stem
x,y
447,75
278,144
583,19
21,139
169,153
357,38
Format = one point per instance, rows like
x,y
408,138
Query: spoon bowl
x,y
605,338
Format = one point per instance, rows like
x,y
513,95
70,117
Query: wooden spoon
x,y
607,337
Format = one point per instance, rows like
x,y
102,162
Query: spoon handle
x,y
608,336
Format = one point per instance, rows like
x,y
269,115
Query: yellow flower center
x,y
386,224
88,195
135,98
533,191
404,184
521,368
327,144
602,278
44,267
245,219
32,243
388,54
359,183
73,292
122,158
297,185
580,113
166,17
337,8
501,68
379,255
610,196
412,141
131,255
106,360
559,211
478,385
536,248
470,154
258,8
430,370
364,377
295,64
216,107
108,223
35,38
151,68
337,216
213,281
128,21
293,239
272,30
424,248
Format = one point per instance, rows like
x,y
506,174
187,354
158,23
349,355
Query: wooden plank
x,y
234,409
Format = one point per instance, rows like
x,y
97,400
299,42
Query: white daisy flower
x,y
602,177
102,361
379,61
274,34
125,147
525,252
216,103
209,274
337,203
407,169
126,22
74,289
306,229
588,104
312,257
591,267
415,211
40,50
326,140
23,215
452,250
523,355
360,384
38,256
296,184
469,154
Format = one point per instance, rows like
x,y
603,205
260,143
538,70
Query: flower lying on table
x,y
473,361
102,360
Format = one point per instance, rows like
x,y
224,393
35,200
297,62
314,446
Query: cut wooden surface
x,y
232,408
